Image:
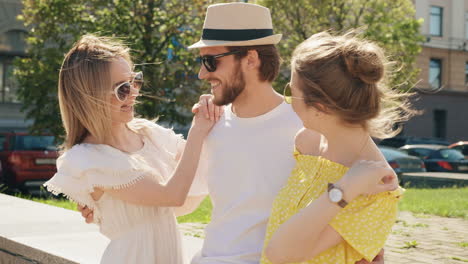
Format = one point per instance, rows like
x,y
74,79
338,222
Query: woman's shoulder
x,y
156,132
145,125
87,156
307,142
138,124
79,152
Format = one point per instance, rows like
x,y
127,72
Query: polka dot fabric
x,y
364,223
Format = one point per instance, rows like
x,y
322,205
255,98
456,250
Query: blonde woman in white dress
x,y
135,175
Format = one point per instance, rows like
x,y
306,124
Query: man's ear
x,y
253,61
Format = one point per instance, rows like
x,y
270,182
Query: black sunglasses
x,y
209,61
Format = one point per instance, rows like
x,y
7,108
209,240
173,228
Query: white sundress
x,y
138,234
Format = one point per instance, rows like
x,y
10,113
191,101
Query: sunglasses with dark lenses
x,y
123,90
209,61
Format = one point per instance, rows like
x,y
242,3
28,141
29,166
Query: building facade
x,y
12,45
443,85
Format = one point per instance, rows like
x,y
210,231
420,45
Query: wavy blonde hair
x,y
85,87
348,76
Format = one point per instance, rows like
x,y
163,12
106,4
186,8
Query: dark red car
x,y
26,160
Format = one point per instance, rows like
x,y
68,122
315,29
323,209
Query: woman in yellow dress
x,y
340,201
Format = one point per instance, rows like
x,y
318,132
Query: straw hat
x,y
237,24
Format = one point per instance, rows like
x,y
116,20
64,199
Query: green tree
x,y
157,31
391,24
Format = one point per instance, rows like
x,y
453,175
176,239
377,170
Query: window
x,y
420,152
440,123
462,148
33,143
435,21
8,82
451,154
466,25
466,73
2,141
14,41
13,44
435,73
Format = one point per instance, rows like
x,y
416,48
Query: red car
x,y
462,146
26,160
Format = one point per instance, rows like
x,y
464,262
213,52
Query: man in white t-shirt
x,y
247,157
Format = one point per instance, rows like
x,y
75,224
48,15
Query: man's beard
x,y
232,89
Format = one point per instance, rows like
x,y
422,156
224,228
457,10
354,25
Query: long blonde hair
x,y
85,87
349,77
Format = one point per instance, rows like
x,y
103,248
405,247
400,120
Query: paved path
x,y
32,232
415,239
39,231
428,239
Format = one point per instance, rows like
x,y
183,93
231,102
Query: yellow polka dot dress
x,y
364,223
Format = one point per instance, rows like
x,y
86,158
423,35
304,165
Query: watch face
x,y
335,195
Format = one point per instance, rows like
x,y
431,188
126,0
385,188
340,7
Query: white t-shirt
x,y
245,161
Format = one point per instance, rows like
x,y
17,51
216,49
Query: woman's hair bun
x,y
364,61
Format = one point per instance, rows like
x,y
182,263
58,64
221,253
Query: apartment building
x,y
443,86
12,44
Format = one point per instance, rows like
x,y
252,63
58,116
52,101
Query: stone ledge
x,y
32,232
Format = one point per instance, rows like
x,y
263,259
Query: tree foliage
x,y
157,31
392,24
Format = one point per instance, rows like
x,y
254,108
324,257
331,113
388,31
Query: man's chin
x,y
219,101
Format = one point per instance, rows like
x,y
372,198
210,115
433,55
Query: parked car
x,y
439,158
402,162
400,141
461,146
422,150
26,160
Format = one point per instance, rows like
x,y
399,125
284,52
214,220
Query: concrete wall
x,y
453,22
32,232
456,106
453,68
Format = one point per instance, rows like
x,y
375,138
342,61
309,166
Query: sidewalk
x,y
32,232
48,234
427,239
415,239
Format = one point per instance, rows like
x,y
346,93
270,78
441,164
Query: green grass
x,y
410,244
459,259
201,215
462,244
447,202
57,202
64,203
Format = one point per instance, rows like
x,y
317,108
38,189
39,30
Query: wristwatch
x,y
335,195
